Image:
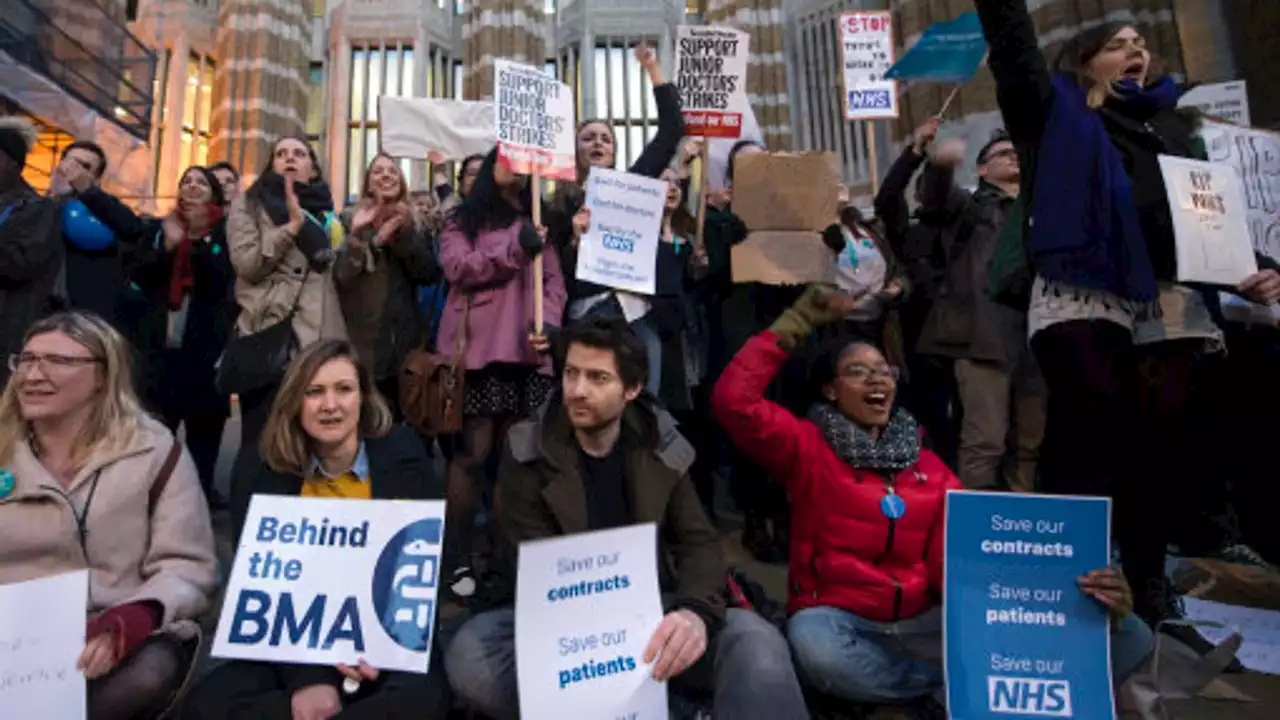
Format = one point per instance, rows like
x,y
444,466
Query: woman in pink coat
x,y
487,252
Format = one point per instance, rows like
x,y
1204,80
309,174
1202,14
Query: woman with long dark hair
x,y
1120,343
487,253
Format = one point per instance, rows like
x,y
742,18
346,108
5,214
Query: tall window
x,y
160,93
376,70
624,96
197,104
315,105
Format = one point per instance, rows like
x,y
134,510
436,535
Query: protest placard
x,y
711,74
620,248
1255,156
1021,638
1227,101
866,53
1210,222
533,119
42,626
947,52
586,607
324,581
417,127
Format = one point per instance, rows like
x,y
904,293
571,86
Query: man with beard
x,y
602,455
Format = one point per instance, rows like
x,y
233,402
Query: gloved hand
x,y
820,305
532,239
833,237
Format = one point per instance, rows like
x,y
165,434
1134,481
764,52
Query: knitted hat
x,y
17,135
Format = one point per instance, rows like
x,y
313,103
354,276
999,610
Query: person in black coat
x,y
184,311
330,434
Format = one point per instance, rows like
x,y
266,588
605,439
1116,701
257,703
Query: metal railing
x,y
88,52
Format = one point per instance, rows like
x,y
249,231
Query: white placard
x,y
620,248
586,608
41,637
533,118
1225,101
866,53
1209,222
1255,156
323,581
711,74
416,127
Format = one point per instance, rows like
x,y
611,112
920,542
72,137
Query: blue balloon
x,y
83,229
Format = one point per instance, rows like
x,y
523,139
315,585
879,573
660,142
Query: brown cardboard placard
x,y
782,258
786,191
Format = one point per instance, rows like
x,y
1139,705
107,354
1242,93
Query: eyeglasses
x,y
49,363
1006,154
862,373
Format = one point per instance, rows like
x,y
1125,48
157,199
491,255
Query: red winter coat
x,y
844,552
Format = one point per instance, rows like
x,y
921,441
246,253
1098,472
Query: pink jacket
x,y
498,276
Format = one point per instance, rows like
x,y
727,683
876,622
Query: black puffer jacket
x,y
31,255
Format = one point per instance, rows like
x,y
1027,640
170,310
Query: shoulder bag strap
x,y
162,478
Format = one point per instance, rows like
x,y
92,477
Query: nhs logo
x,y
870,100
1029,696
619,243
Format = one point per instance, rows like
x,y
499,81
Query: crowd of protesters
x,y
1083,369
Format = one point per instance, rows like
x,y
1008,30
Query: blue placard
x,y
1021,639
947,52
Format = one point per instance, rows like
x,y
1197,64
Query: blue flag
x,y
947,52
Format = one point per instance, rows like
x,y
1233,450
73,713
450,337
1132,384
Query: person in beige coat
x,y
88,481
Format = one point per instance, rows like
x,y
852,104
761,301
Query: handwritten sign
x,y
325,581
866,53
711,74
620,249
1259,628
1209,222
586,607
1227,101
533,117
1255,157
1020,636
39,648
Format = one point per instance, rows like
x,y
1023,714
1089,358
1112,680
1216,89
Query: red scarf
x,y
182,278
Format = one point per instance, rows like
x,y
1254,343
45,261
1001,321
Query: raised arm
x,y
657,155
1023,90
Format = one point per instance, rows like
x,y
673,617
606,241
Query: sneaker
x,y
462,584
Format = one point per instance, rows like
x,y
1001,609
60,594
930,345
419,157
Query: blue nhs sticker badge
x,y
324,581
870,100
1021,638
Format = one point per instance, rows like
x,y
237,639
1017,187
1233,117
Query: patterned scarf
x,y
898,447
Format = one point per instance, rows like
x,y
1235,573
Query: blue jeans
x,y
845,656
753,674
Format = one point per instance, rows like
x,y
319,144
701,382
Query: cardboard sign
x,y
1210,225
786,191
533,118
620,248
41,637
1255,157
782,258
1020,637
1228,101
866,54
586,607
324,581
711,74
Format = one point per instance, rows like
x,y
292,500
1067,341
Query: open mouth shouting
x,y
1136,70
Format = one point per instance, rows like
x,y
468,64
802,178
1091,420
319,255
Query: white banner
x,y
324,581
1209,222
620,248
1227,101
586,607
416,127
866,54
711,74
533,114
41,637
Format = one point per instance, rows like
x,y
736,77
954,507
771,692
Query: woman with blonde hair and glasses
x,y
88,481
330,435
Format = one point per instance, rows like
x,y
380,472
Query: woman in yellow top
x,y
329,434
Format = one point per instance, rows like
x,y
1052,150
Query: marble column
x,y
766,66
499,29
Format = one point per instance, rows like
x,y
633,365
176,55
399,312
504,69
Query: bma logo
x,y
870,100
619,243
1029,696
404,584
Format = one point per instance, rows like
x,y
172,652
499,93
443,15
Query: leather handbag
x,y
258,360
433,386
